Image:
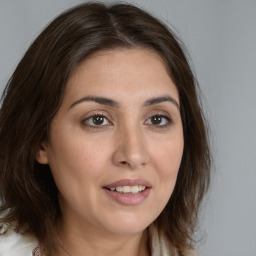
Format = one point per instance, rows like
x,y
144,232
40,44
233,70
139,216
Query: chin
x,y
129,230
128,225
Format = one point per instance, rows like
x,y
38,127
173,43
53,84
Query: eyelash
x,y
88,119
168,120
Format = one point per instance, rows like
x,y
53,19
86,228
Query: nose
x,y
131,149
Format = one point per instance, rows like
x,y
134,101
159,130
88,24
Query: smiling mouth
x,y
128,189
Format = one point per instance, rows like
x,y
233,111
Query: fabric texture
x,y
159,245
13,244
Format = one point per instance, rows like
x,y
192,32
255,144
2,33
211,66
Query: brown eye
x,y
160,121
155,120
96,120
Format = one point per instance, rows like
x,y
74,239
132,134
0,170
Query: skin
x,y
85,156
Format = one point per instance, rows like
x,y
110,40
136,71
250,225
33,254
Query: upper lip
x,y
128,182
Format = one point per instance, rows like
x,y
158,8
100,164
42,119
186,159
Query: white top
x,y
15,244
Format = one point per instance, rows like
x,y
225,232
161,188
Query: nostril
x,y
123,163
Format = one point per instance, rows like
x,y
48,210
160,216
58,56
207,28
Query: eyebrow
x,y
100,100
115,104
158,100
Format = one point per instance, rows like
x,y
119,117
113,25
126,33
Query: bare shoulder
x,y
13,243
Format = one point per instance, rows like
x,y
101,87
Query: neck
x,y
77,241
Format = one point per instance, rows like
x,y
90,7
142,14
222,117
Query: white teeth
x,y
135,189
141,188
126,189
129,189
119,189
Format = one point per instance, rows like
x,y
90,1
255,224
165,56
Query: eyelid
x,y
93,114
163,114
158,113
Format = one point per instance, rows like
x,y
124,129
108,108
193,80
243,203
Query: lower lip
x,y
128,199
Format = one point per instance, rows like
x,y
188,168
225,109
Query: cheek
x,y
74,165
168,155
76,159
167,160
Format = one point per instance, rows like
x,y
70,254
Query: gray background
x,y
221,38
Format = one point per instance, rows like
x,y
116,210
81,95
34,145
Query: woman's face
x,y
116,142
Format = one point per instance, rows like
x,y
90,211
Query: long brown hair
x,y
34,94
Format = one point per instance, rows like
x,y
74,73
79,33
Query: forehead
x,y
122,71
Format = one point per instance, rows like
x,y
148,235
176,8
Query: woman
x,y
103,143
